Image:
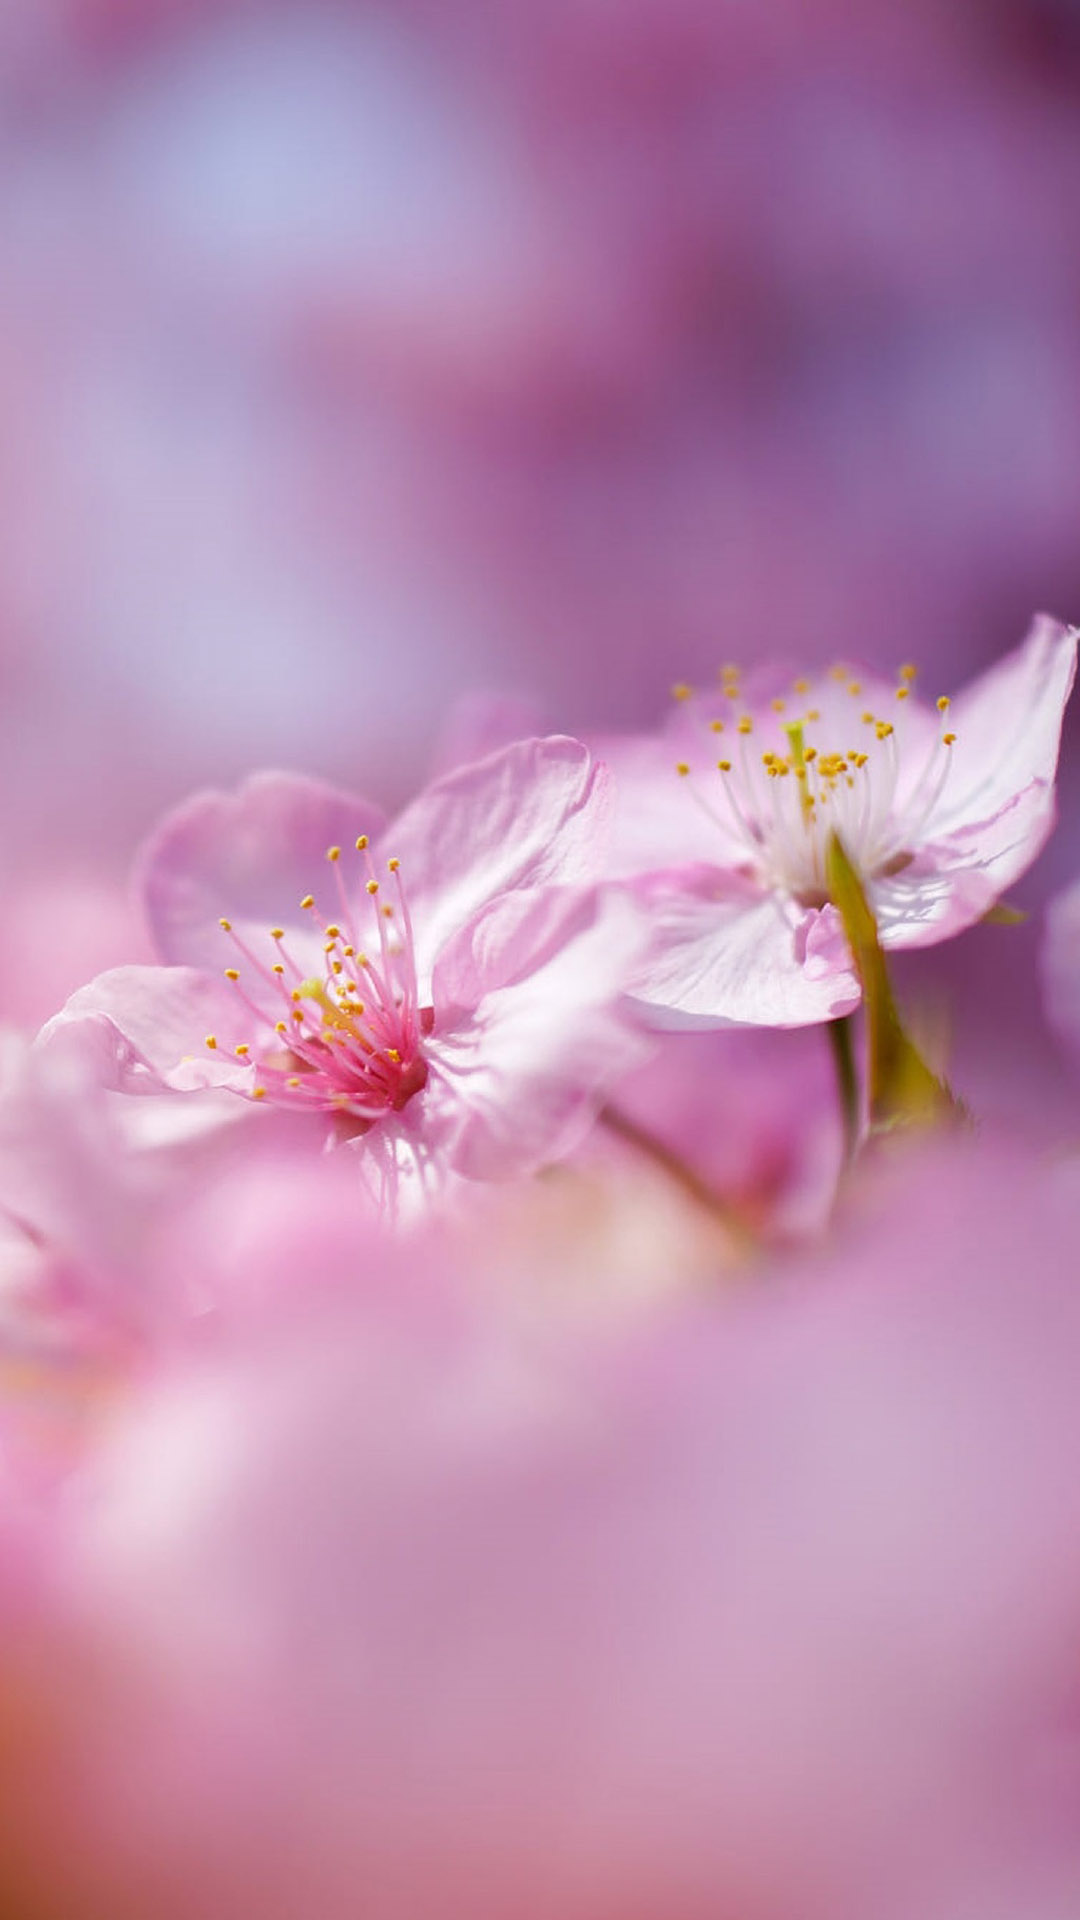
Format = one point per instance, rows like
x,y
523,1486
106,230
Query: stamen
x,y
340,1049
781,820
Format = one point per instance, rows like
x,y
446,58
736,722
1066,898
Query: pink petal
x,y
516,1081
249,857
663,819
727,956
954,882
480,723
535,814
1008,729
147,1028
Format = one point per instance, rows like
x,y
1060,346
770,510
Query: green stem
x,y
842,1042
901,1089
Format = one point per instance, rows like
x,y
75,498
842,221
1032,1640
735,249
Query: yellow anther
x,y
277,933
909,672
280,1026
333,932
393,865
809,753
801,686
730,672
854,688
813,714
361,843
730,689
277,967
211,1042
902,692
258,1093
682,768
838,673
717,726
231,973
333,853
868,718
388,913
225,925
308,901
373,887
298,1016
243,1050
883,729
778,705
293,1082
393,1054
746,725
362,960
348,952
947,739
724,766
943,704
680,691
296,994
336,966
328,946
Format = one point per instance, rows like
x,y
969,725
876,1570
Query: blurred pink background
x,y
355,358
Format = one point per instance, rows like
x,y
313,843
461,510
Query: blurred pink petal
x,y
767,1607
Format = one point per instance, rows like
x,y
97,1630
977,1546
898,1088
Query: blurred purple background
x,y
357,357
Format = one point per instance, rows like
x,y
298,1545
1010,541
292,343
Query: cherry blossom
x,y
443,992
725,824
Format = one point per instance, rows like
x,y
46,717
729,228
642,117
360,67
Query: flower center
x,y
799,772
349,1037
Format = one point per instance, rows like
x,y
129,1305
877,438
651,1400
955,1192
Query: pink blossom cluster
x,y
527,1385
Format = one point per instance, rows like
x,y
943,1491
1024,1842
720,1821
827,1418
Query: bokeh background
x,y
359,358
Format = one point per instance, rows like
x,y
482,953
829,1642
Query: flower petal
x,y
534,1038
663,819
723,954
249,857
1008,729
535,814
148,1028
952,883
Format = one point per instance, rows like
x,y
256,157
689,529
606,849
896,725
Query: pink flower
x,y
444,993
940,810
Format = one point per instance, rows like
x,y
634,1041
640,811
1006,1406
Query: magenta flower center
x,y
349,1035
806,769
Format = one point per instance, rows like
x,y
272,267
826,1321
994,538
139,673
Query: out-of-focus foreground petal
x,y
761,1607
